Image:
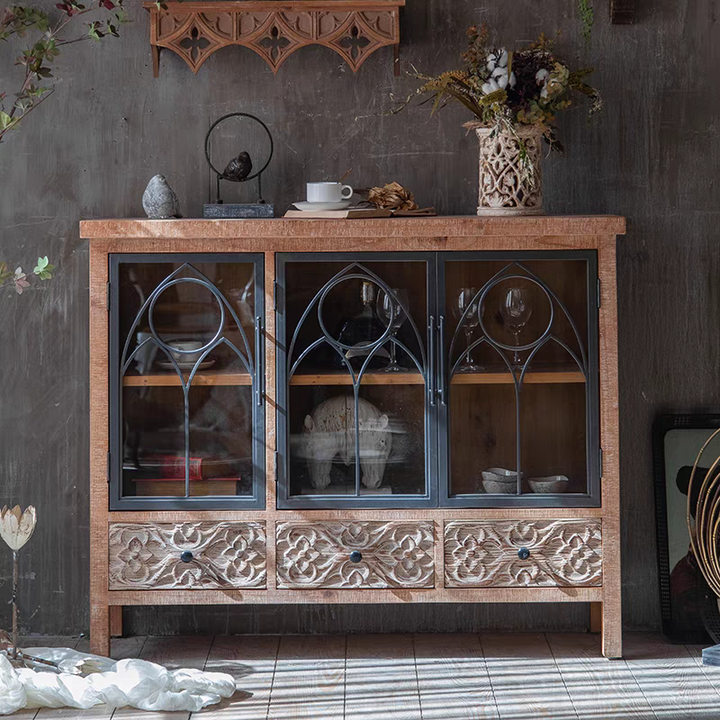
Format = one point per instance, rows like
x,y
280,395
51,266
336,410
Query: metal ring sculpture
x,y
253,368
258,173
355,271
704,529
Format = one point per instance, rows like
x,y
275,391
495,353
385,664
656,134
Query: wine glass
x,y
466,301
389,308
516,310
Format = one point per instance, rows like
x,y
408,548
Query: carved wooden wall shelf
x,y
274,29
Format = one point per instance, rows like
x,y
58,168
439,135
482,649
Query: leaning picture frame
x,y
688,608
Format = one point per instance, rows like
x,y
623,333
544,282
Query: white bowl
x,y
549,484
499,481
186,345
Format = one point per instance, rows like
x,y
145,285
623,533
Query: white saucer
x,y
322,206
185,366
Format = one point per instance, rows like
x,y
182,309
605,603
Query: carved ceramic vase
x,y
505,187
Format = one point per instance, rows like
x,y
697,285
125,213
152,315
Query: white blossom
x,y
16,526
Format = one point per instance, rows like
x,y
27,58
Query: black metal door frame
x,y
592,405
115,457
355,266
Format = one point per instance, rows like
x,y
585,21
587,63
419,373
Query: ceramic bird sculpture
x,y
159,201
239,168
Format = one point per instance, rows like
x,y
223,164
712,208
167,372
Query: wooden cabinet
x,y
377,411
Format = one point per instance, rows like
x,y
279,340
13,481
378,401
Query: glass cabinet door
x,y
356,414
519,379
187,415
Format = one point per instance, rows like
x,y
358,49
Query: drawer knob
x,y
186,556
355,556
523,553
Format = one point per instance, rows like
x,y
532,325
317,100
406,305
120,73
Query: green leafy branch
x,y
587,18
18,21
43,271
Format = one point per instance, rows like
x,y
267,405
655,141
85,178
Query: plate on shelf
x,y
185,366
322,206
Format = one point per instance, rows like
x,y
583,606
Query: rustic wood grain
x,y
453,680
251,661
99,410
517,665
116,621
170,380
610,444
597,688
488,378
670,678
317,555
224,555
381,680
484,553
274,30
309,680
435,232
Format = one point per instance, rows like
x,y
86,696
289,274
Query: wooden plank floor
x,y
427,677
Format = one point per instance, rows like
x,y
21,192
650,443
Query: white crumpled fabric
x,y
137,683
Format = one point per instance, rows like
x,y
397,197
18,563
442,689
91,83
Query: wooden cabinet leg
x,y
100,630
596,617
116,621
611,630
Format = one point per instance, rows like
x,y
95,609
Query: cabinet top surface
x,y
420,227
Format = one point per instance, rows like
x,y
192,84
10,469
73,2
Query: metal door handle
x,y
442,359
259,373
431,359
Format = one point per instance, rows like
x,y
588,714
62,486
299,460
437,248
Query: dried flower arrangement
x,y
515,97
505,89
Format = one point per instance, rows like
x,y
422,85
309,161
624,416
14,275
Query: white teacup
x,y
186,350
330,192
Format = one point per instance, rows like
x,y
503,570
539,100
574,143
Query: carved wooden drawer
x,y
202,555
355,554
523,553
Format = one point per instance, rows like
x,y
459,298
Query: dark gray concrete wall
x,y
89,151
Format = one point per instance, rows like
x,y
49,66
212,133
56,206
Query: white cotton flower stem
x,y
16,577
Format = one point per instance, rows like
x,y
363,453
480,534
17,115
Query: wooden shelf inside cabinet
x,y
171,379
274,29
531,378
411,378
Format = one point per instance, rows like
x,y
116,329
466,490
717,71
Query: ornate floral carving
x,y
317,555
271,31
485,553
505,188
224,555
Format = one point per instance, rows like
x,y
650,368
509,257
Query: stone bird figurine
x,y
159,201
239,168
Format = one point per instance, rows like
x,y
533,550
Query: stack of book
x,y
164,475
357,213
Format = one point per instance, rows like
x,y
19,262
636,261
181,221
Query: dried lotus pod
x,y
16,526
392,196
